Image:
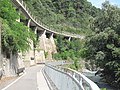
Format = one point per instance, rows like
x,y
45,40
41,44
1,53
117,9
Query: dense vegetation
x,y
102,47
72,16
69,50
15,35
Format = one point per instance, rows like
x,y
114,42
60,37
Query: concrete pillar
x,y
69,38
35,30
18,11
28,22
41,47
53,43
42,40
50,45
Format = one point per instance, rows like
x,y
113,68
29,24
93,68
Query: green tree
x,y
103,46
15,35
12,37
69,50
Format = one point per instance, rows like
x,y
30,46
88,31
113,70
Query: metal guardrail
x,y
68,79
43,25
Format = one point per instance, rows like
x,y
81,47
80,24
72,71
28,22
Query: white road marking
x,y
14,82
41,82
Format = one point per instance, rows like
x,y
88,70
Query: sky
x,y
98,3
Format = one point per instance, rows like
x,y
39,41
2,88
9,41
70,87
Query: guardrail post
x,y
73,75
81,84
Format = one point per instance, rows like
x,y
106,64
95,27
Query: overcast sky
x,y
98,3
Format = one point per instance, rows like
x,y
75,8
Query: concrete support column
x,y
35,30
42,40
18,11
28,22
51,47
41,47
53,43
69,39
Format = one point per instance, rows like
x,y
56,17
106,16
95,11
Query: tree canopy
x,y
15,35
72,16
68,50
103,45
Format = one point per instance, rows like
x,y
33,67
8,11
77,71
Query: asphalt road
x,y
29,80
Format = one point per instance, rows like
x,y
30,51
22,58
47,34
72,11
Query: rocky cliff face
x,y
46,47
50,48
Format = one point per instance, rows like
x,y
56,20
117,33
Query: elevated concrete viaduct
x,y
44,34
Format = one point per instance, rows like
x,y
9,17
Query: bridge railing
x,y
45,26
68,79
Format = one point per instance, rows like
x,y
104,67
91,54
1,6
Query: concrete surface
x,y
30,81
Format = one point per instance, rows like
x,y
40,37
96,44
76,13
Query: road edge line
x,y
13,82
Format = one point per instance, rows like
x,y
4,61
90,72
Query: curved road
x,y
33,79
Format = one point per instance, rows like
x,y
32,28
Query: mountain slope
x,y
72,16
